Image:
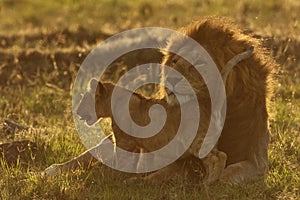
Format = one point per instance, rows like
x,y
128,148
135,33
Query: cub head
x,y
95,103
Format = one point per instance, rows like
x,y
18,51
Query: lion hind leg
x,y
182,168
240,172
254,167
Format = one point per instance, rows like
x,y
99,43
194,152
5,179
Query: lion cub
x,y
139,105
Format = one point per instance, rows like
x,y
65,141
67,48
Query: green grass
x,y
58,141
269,17
45,105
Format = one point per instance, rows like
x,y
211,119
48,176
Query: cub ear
x,y
164,52
93,83
101,87
97,86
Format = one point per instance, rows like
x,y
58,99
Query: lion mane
x,y
245,135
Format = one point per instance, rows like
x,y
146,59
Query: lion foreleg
x,y
82,161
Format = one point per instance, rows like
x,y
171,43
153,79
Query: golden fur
x,y
245,134
244,138
139,105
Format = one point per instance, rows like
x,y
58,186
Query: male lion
x,y
245,135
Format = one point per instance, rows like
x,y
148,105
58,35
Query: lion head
x,y
222,40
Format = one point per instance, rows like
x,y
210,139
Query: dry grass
x,y
42,44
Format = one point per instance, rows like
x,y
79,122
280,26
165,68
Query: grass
x,y
268,16
42,100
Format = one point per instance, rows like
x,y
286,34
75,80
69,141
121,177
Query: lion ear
x,y
93,84
164,52
101,87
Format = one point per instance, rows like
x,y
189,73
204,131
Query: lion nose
x,y
174,80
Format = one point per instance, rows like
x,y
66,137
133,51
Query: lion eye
x,y
174,61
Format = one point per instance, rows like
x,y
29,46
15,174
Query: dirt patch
x,y
21,152
59,39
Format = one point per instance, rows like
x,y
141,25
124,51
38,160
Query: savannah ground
x,y
42,44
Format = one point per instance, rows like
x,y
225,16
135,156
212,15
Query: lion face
x,y
177,84
85,109
93,104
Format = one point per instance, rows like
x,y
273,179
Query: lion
x,y
245,135
213,164
241,152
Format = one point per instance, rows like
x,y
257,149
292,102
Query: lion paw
x,y
214,164
52,170
239,172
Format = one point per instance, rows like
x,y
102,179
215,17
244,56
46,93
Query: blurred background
x,y
269,17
